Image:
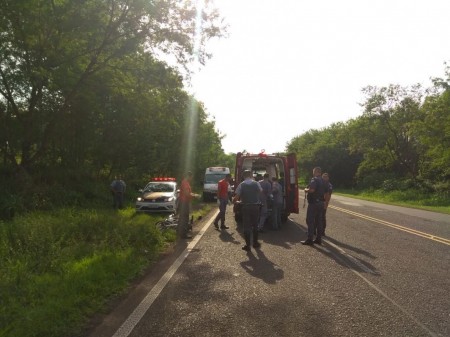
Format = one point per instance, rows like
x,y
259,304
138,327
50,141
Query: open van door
x,y
292,190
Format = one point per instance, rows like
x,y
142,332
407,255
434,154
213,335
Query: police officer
x,y
327,196
118,188
265,197
249,193
314,213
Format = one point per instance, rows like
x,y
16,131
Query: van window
x,y
213,178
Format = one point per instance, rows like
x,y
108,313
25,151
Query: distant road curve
x,y
399,209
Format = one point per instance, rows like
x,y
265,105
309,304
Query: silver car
x,y
159,195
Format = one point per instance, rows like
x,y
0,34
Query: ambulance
x,y
284,167
212,177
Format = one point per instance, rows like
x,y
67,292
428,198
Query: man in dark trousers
x,y
184,206
222,198
265,196
327,196
314,213
118,188
249,193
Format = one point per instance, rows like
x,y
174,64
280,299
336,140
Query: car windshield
x,y
159,187
214,178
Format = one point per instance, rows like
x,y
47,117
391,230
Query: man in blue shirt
x,y
248,193
118,188
327,197
266,194
314,213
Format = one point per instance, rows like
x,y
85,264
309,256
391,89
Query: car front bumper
x,y
144,206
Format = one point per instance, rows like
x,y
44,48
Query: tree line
x,y
86,93
401,141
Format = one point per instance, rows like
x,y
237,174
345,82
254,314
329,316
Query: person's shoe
x,y
318,241
224,227
216,225
256,245
307,242
246,248
187,236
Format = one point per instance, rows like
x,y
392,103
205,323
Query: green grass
x,y
407,198
59,268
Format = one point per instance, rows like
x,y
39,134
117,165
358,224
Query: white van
x,y
212,177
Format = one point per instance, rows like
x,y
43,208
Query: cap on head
x,y
247,174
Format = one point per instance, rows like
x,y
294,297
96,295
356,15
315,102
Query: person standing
x,y
118,188
249,194
265,196
184,206
222,198
327,197
314,212
277,206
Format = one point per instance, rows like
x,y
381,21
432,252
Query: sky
x,y
289,66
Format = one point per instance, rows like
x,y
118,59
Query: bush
x,y
375,180
443,189
58,268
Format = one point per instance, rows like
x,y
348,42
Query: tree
x,y
50,50
329,149
388,119
434,131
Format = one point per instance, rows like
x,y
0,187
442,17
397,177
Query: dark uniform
x,y
118,188
248,192
315,209
329,188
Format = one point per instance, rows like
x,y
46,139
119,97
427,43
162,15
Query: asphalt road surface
x,y
381,271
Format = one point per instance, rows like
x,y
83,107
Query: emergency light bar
x,y
260,155
216,169
163,179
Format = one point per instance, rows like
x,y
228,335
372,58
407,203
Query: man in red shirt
x,y
222,198
184,206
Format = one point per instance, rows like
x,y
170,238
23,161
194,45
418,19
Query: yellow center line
x,y
389,224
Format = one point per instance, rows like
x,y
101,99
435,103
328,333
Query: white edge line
x,y
134,318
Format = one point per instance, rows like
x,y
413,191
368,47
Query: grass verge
x,y
59,268
408,198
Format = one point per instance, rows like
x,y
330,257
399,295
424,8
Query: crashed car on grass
x,y
159,195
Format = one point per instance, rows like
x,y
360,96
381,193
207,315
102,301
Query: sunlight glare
x,y
190,128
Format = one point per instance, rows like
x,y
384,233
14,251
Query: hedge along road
x,y
381,271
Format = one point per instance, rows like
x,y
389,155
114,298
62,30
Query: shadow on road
x,y
261,267
287,236
346,260
227,236
348,247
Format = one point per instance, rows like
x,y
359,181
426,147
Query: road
x,y
381,271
